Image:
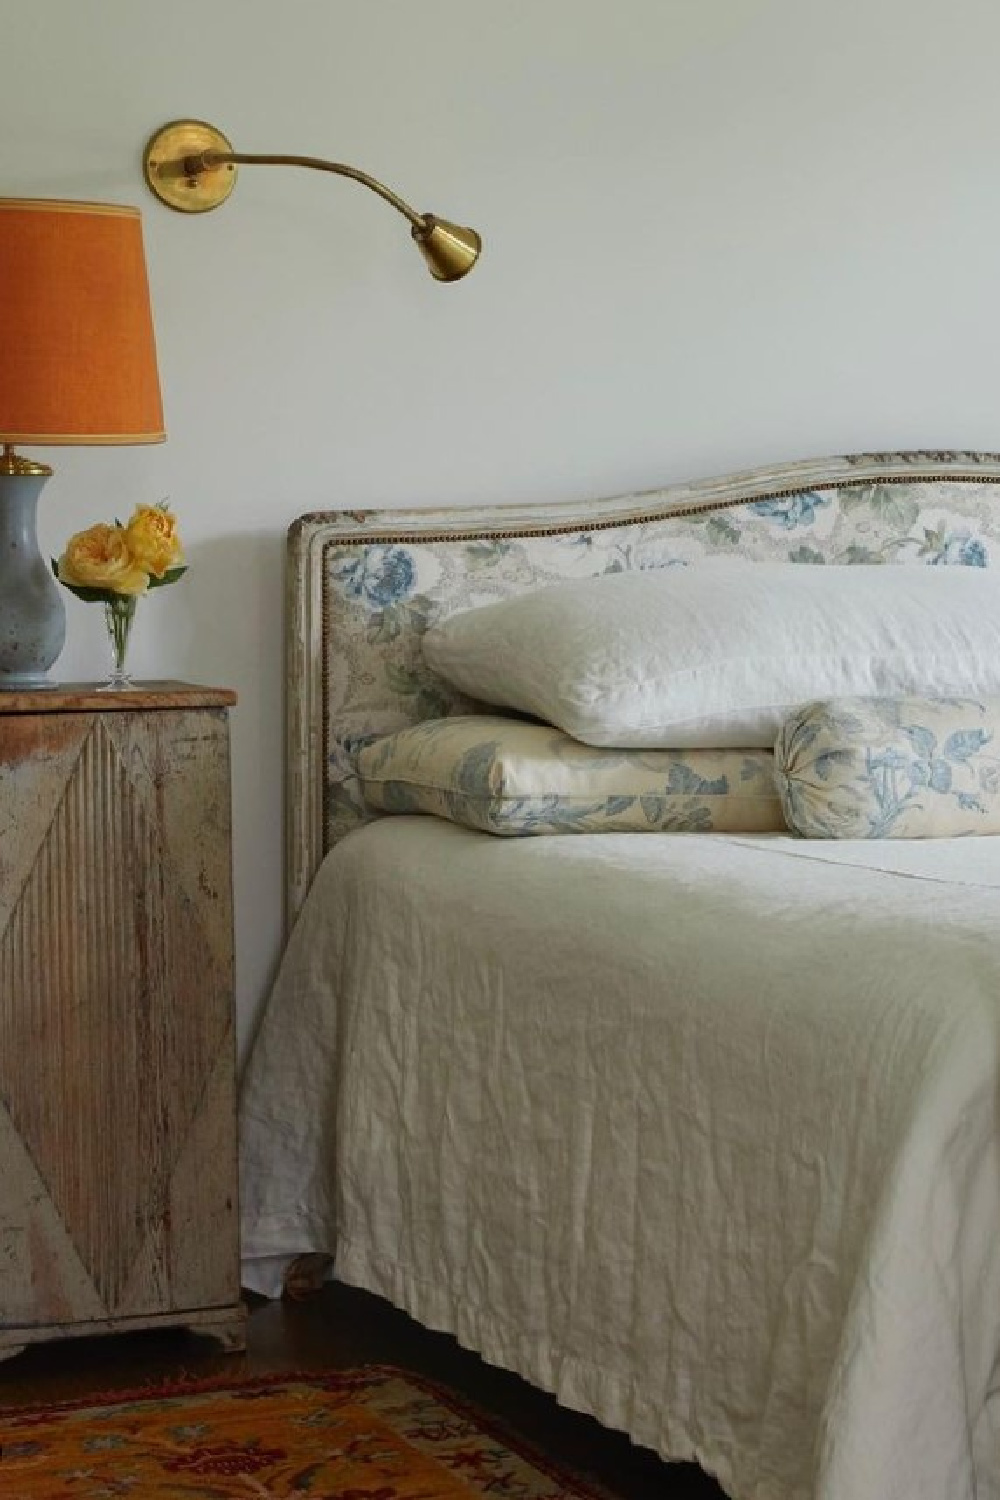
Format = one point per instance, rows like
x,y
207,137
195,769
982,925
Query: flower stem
x,y
119,613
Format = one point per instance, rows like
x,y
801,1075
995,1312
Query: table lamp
x,y
77,366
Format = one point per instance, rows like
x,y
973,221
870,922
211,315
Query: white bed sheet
x,y
701,1133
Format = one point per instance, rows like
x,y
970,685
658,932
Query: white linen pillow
x,y
717,656
510,777
891,768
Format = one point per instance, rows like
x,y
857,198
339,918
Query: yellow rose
x,y
153,541
100,558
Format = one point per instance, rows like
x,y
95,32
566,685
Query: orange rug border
x,y
492,1426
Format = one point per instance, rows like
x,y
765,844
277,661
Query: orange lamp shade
x,y
77,353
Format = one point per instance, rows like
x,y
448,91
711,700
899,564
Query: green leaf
x,y
92,596
403,680
170,576
384,625
856,553
389,623
89,596
722,529
894,504
486,554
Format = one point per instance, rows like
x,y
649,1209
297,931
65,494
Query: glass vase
x,y
118,616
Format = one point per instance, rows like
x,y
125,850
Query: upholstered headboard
x,y
364,586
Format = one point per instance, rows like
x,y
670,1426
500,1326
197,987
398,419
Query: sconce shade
x,y
449,249
77,352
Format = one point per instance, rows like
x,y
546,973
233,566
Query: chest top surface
x,y
90,697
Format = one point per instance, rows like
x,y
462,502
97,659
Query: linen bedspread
x,y
701,1133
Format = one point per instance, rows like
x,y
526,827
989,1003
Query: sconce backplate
x,y
164,165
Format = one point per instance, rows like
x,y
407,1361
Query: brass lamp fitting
x,y
191,166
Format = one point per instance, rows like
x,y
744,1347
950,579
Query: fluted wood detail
x,y
115,1003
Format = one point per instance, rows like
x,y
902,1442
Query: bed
x,y
700,1132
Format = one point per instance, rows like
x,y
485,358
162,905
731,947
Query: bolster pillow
x,y
901,768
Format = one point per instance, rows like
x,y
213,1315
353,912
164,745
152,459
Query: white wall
x,y
716,234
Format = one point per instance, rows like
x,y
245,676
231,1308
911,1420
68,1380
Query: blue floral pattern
x,y
381,596
959,547
508,776
377,576
891,768
790,511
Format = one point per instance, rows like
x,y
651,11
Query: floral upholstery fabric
x,y
869,768
506,776
380,596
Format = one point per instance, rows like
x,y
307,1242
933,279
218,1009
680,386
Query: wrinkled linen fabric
x,y
700,1133
716,653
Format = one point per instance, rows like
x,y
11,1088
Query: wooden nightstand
x,y
118,1189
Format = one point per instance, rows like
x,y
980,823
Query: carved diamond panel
x,y
103,952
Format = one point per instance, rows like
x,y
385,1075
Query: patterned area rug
x,y
369,1434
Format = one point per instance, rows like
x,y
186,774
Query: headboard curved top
x,y
363,587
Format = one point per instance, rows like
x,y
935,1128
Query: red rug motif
x,y
369,1434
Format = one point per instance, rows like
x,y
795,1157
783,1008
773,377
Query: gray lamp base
x,y
32,612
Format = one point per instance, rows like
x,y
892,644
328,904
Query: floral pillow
x,y
508,776
875,768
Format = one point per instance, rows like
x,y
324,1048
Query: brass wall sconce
x,y
191,166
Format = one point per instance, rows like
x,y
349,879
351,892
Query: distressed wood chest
x,y
118,1188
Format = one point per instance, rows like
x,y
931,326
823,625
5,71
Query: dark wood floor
x,y
340,1327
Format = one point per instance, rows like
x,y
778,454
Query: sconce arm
x,y
205,161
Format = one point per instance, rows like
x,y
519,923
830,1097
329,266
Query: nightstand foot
x,y
228,1327
305,1275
